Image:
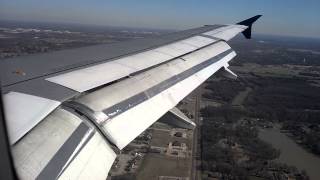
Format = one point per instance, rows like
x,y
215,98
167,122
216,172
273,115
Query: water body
x,y
291,153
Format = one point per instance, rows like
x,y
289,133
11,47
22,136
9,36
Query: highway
x,y
196,147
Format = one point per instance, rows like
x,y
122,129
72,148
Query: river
x,y
291,153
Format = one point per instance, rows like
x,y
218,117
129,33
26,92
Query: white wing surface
x,y
73,110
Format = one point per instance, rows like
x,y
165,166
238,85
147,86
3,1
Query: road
x,y
196,148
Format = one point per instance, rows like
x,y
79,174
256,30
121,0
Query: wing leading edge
x,y
105,101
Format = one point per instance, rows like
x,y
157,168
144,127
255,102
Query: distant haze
x,y
294,17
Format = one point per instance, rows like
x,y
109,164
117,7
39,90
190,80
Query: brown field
x,y
155,165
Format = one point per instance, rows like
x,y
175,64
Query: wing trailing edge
x,y
176,118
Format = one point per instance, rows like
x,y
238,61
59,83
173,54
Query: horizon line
x,y
146,28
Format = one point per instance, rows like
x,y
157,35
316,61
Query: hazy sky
x,y
284,17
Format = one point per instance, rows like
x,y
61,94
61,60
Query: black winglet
x,y
248,22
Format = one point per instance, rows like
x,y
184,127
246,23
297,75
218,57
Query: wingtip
x,y
249,22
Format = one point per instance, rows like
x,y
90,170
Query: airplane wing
x,y
70,112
